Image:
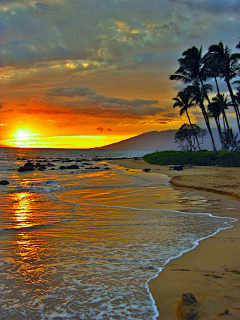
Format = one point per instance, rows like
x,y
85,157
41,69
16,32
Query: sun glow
x,y
26,139
24,134
22,138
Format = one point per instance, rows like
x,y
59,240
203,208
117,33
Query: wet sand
x,y
211,272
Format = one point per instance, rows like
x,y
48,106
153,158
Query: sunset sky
x,y
86,73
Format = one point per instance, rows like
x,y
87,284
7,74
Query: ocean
x,y
71,247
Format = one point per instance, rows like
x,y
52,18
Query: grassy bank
x,y
208,158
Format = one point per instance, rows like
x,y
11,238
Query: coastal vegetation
x,y
195,69
188,136
189,158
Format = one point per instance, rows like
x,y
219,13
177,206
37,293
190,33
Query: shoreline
x,y
211,270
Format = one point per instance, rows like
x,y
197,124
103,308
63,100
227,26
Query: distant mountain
x,y
158,141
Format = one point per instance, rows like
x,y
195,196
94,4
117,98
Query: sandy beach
x,y
211,272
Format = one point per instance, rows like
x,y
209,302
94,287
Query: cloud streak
x,y
98,105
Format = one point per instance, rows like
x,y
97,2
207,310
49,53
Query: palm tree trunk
x,y
218,91
225,120
208,126
219,131
206,118
234,103
194,133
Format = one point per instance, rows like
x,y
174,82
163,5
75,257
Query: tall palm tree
x,y
217,107
199,96
223,105
212,68
214,111
184,101
192,70
228,69
191,67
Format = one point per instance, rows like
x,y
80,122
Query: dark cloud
x,y
100,129
215,6
70,92
164,121
43,31
170,114
98,105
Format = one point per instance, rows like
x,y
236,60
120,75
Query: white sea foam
x,y
88,260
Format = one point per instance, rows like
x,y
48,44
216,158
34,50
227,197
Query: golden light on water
x,y
29,248
22,204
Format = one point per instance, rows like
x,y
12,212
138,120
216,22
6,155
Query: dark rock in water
x,y
178,168
40,166
49,164
107,168
29,166
67,160
73,166
146,170
4,182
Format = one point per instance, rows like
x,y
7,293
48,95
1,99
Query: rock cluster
x,y
29,166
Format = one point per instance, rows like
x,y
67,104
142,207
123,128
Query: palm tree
x,y
191,67
217,107
184,102
212,68
199,94
214,111
192,70
228,69
223,105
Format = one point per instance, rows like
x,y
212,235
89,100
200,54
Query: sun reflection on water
x,y
22,205
31,250
31,253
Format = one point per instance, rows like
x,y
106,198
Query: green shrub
x,y
206,158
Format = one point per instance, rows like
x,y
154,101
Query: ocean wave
x,y
27,228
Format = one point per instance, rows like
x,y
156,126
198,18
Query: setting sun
x,y
23,137
24,134
26,138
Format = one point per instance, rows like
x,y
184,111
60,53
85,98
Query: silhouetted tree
x,y
184,101
228,69
192,70
214,111
185,137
